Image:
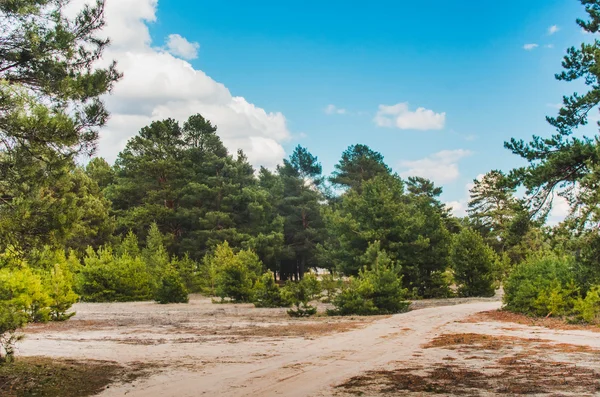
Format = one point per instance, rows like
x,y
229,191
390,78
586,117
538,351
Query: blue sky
x,y
463,62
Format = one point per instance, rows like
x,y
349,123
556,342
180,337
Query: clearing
x,y
237,350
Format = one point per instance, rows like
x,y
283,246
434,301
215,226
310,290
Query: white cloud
x,y
157,85
560,210
549,46
332,109
180,47
459,208
440,167
553,29
401,117
529,47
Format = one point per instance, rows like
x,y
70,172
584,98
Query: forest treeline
x,y
178,213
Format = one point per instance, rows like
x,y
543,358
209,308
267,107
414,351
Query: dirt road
x,y
291,366
314,368
237,350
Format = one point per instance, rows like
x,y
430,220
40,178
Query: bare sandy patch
x,y
550,322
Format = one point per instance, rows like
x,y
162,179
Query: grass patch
x,y
46,377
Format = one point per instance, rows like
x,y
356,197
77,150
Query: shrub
x,y
234,282
541,286
23,290
11,319
109,278
60,290
474,263
268,294
298,294
230,275
171,288
377,289
331,285
189,273
588,309
312,285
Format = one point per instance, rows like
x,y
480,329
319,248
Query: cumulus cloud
x,y
529,47
401,117
553,29
560,209
459,207
158,83
181,47
332,109
440,167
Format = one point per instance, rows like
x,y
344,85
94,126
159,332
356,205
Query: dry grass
x,y
505,377
492,365
508,317
41,376
477,341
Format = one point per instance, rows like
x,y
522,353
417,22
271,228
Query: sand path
x,y
302,367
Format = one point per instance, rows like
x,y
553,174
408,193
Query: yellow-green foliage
x,y
331,285
541,286
22,289
110,278
230,275
33,294
588,309
60,289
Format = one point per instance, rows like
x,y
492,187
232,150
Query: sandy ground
x,y
237,350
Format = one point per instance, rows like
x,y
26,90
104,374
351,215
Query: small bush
x,y
62,297
376,290
11,319
268,294
23,290
313,286
298,293
171,288
109,278
331,286
588,309
541,286
230,275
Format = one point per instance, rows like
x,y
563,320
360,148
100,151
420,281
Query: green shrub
x,y
473,262
11,319
377,289
588,309
171,288
234,282
331,284
188,270
313,286
60,289
230,275
109,278
299,295
541,286
268,294
24,291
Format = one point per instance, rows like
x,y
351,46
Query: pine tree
x,y
474,264
50,111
